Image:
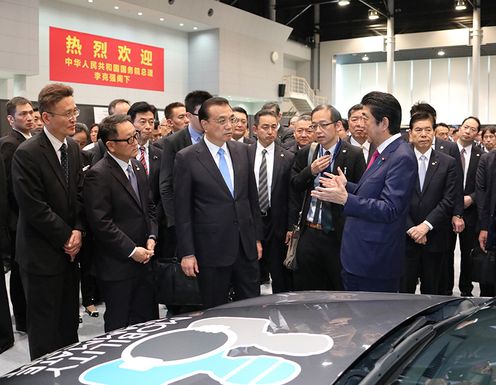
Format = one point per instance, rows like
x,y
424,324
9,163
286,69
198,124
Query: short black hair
x,y
241,110
108,126
383,105
259,114
356,107
113,103
426,107
490,129
335,114
476,119
168,109
141,107
203,112
81,127
14,102
195,98
421,115
272,105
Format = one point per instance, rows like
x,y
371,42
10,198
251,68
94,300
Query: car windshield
x,y
465,353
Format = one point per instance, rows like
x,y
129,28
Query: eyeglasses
x,y
224,121
129,140
322,125
69,114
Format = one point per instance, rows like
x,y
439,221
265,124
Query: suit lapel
x,y
53,160
340,159
237,168
206,159
17,136
278,159
121,177
432,168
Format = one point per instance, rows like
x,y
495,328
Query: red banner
x,y
90,59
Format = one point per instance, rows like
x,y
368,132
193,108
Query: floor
x,y
91,327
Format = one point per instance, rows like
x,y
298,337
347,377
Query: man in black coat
x,y
217,214
20,115
47,179
431,207
121,215
272,167
318,252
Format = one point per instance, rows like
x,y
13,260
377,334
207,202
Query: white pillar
x,y
390,46
4,89
476,43
20,85
315,66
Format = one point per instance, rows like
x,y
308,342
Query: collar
x,y
322,150
213,148
146,145
427,154
354,142
53,140
121,163
270,148
387,142
195,135
23,134
467,148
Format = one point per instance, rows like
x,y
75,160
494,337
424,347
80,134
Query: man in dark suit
x,y
469,156
240,128
272,167
217,214
121,215
428,222
358,133
376,208
6,332
303,134
20,115
284,135
319,266
47,179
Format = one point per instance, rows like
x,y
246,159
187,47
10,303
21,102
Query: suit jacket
x,y
281,175
485,196
210,223
435,202
8,145
377,207
371,149
350,160
451,149
470,213
4,214
291,146
117,219
249,140
49,208
284,134
155,161
171,145
97,152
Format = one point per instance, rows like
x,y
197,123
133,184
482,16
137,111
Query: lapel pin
x,y
155,157
433,163
478,154
383,159
137,168
441,147
282,155
344,151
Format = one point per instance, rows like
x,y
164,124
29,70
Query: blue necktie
x,y
134,182
422,171
224,170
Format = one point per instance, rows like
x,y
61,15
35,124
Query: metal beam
x,y
299,14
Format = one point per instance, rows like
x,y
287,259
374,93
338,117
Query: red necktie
x,y
375,155
142,159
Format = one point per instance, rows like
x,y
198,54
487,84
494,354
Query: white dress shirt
x,y
26,136
468,152
214,149
56,144
365,147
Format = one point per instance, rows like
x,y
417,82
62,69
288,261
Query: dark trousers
x,y
353,282
16,290
6,332
215,281
129,301
274,252
420,263
52,309
89,287
318,261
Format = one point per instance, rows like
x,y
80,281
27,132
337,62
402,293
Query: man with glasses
x,y
121,215
358,133
20,115
47,179
319,266
217,212
373,246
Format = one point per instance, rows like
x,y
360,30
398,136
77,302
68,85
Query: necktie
x,y
134,182
422,170
63,161
142,158
375,155
224,170
318,203
462,158
263,188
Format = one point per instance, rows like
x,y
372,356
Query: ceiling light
x,y
181,24
161,19
140,13
90,1
343,3
373,15
116,7
365,57
195,28
441,53
460,5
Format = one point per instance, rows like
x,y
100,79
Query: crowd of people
x,y
93,210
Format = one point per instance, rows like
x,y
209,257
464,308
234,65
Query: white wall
x,y
63,15
203,61
444,83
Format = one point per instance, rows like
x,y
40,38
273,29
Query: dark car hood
x,y
296,338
